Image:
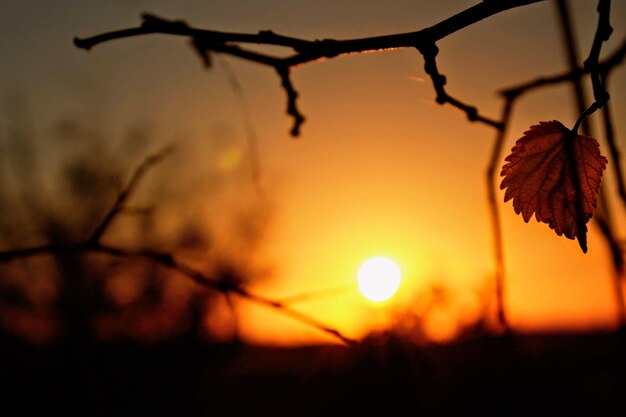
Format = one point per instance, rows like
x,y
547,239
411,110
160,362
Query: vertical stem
x,y
496,227
252,140
609,133
603,217
571,49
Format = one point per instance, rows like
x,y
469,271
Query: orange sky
x,y
380,168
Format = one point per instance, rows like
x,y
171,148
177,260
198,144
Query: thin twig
x,y
123,196
571,50
510,95
609,133
496,224
94,245
167,260
614,60
292,95
306,51
603,33
429,52
603,216
10,255
618,262
305,296
606,66
251,135
287,310
424,40
591,65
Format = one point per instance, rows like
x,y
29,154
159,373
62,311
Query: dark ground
x,y
534,375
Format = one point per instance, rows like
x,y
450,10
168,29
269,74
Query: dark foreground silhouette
x,y
533,375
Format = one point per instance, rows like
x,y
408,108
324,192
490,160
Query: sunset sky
x,y
380,168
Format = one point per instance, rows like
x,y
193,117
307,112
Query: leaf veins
x,y
555,175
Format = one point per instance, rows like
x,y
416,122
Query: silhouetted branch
x,y
9,255
122,197
510,95
252,140
571,50
305,296
168,260
306,51
94,245
614,60
496,225
286,309
292,95
591,64
609,133
606,66
429,52
618,262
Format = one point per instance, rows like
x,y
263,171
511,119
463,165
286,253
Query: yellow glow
x,y
379,279
229,159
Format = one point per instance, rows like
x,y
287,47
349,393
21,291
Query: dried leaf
x,y
556,176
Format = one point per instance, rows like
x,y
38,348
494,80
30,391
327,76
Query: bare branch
x,y
609,133
292,95
286,309
603,33
10,255
167,260
591,65
617,254
306,51
251,135
605,66
305,296
571,50
122,197
429,52
312,50
510,95
496,224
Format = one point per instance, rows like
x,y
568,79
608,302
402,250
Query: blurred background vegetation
x,y
213,220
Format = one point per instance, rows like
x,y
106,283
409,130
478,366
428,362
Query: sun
x,y
379,278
